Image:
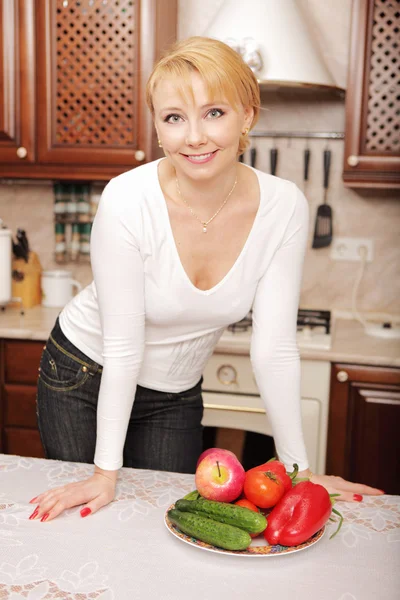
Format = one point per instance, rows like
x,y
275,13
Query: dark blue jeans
x,y
164,432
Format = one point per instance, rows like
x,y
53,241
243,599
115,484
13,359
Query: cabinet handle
x,y
139,155
22,152
342,376
352,160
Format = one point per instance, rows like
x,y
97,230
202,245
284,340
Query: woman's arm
x,y
118,274
274,354
119,278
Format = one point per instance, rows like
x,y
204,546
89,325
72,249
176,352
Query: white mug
x,y
57,288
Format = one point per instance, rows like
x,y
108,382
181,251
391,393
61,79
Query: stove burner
x,y
314,318
305,318
242,325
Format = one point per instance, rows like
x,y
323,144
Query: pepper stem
x,y
332,497
340,521
219,472
297,480
293,474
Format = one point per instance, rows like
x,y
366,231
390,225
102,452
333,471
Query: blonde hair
x,y
223,70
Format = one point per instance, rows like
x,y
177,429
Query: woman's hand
x,y
347,490
94,493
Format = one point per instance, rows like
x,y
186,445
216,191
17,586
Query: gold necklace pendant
x,y
205,223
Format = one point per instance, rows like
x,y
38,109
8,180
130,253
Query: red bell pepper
x,y
277,467
299,514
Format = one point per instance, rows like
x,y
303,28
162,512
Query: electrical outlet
x,y
348,248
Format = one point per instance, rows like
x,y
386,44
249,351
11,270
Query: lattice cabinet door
x,y
17,82
372,144
94,57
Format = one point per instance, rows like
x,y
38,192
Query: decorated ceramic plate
x,y
257,547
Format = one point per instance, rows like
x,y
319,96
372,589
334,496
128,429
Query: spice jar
x,y
83,204
74,247
60,254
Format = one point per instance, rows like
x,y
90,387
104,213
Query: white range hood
x,y
273,38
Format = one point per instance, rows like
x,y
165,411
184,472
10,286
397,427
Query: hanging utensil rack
x,y
326,135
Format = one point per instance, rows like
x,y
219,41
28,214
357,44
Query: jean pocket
x,y
61,375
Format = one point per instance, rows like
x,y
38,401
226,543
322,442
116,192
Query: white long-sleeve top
x,y
144,321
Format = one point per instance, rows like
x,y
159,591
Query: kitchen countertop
x,y
35,324
125,551
349,342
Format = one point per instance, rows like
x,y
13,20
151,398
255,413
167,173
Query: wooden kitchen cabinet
x,y
17,83
19,363
85,66
372,131
363,428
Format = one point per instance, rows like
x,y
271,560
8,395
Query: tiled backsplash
x,y
31,207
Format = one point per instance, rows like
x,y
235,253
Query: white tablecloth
x,y
125,552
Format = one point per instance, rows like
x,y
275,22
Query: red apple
x,y
220,476
209,451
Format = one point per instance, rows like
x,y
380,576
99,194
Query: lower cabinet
x,y
364,423
18,378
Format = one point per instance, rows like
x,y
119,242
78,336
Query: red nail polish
x,y
44,517
35,512
33,500
381,491
357,497
85,512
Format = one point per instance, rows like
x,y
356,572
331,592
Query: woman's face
x,y
199,137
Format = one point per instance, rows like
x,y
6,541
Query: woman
x,y
181,247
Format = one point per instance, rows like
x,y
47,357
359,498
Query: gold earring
x,y
159,143
245,132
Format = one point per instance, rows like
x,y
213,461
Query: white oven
x,y
231,398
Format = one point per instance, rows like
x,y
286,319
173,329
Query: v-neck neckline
x,y
175,249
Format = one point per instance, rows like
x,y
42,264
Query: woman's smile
x,y
200,158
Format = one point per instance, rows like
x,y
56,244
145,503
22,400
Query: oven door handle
x,y
246,409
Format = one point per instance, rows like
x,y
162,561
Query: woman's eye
x,y
215,113
172,119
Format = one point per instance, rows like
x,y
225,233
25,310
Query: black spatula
x,y
323,220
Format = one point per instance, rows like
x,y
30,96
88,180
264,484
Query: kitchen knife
x,y
307,155
23,242
18,251
273,157
253,157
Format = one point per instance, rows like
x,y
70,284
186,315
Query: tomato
x,y
263,488
247,504
280,471
251,506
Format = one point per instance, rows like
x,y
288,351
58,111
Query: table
x,y
125,552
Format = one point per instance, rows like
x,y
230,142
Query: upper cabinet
x,y
74,76
17,82
372,141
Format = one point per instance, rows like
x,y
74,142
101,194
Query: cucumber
x,y
210,531
230,514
